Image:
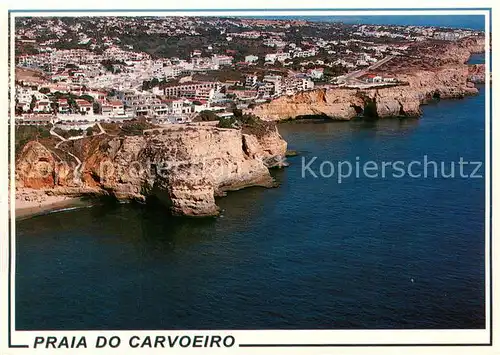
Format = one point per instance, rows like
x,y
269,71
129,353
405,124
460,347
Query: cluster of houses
x,y
84,85
175,104
270,86
374,78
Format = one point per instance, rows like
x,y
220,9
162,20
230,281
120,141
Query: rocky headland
x,y
183,166
438,71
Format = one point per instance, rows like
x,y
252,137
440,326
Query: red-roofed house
x,y
117,107
42,107
84,106
97,95
112,107
203,105
373,78
63,106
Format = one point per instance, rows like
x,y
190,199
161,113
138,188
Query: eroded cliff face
x,y
428,75
423,85
337,104
185,167
477,73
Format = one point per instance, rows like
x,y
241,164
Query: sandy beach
x,y
32,203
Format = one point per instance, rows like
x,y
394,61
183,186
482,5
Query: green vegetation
x,y
222,75
87,98
228,122
25,134
109,65
68,133
33,103
149,84
134,127
205,116
90,131
249,124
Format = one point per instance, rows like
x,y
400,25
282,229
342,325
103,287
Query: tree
x,y
96,107
19,111
206,115
72,102
44,90
33,103
237,112
89,131
54,106
87,97
226,122
145,85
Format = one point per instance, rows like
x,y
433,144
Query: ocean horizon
x,y
475,22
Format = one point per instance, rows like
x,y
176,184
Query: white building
x,y
304,54
251,58
222,60
250,80
280,57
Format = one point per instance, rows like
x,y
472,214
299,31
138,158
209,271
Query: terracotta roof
x,y
81,102
115,102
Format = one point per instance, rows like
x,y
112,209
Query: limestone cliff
x,y
186,167
477,73
431,72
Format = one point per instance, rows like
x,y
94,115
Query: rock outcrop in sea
x,y
428,73
185,167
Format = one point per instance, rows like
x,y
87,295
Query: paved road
x,y
350,78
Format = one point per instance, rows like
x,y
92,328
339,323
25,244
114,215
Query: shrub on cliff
x,y
25,134
90,131
255,126
135,127
250,120
227,122
249,124
206,115
62,132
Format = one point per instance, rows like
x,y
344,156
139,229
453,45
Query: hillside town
x,y
73,73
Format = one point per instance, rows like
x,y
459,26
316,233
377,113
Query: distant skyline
x,y
475,22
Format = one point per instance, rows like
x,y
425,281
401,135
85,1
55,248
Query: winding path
x,y
77,172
